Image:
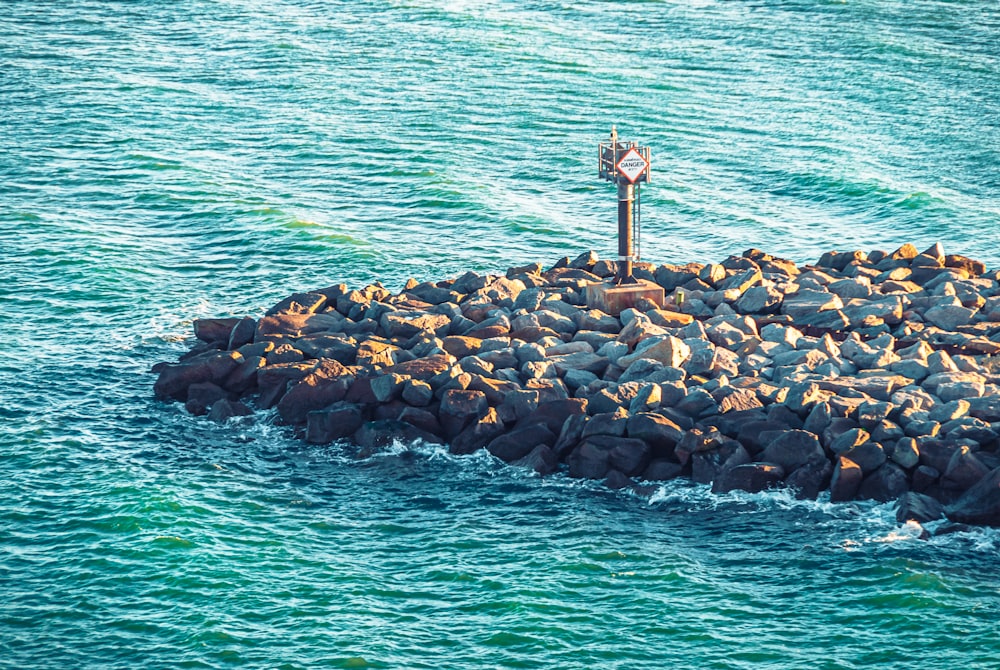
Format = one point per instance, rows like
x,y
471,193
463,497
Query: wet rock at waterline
x,y
868,375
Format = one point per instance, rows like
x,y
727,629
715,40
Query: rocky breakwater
x,y
872,376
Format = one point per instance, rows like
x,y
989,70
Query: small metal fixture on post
x,y
627,165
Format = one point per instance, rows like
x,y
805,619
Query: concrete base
x,y
612,299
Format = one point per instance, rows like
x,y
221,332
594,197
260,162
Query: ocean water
x,y
164,161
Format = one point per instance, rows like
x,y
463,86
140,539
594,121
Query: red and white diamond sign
x,y
632,165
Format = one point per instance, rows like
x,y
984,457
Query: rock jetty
x,y
868,375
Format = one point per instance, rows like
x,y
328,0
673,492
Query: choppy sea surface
x,y
164,161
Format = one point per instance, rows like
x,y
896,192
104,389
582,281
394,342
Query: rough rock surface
x,y
868,375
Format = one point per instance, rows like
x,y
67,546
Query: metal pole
x,y
626,195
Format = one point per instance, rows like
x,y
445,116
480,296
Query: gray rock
x,y
949,317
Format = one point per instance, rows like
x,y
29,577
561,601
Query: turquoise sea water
x,y
163,161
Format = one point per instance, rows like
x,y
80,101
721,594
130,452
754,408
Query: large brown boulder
x,y
214,367
214,330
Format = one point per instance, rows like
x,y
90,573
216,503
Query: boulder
x,y
885,484
174,380
224,409
242,333
295,326
980,504
792,449
460,409
591,459
869,456
751,477
518,443
662,469
315,391
845,481
630,456
336,422
423,369
375,435
300,303
214,330
541,459
913,506
481,432
607,423
553,414
809,479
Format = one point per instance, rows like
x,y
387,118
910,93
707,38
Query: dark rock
x,y
696,440
964,470
570,435
518,405
274,380
516,444
202,396
553,414
809,479
423,419
732,399
342,349
697,402
924,478
360,391
174,380
541,459
242,333
781,414
460,409
591,459
846,480
417,393
607,423
913,506
662,470
375,435
885,484
617,481
423,368
706,466
755,435
656,430
630,456
316,391
224,409
390,410
337,422
869,456
980,504
752,477
792,449
936,453
214,330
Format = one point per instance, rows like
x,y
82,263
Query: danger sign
x,y
632,165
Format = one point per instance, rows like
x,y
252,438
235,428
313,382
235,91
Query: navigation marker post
x,y
627,165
